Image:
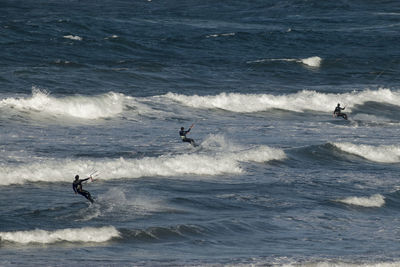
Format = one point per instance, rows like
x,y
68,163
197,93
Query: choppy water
x,y
106,85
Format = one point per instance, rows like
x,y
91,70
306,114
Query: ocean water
x,y
104,86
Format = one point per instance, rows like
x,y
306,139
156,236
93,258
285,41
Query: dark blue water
x,y
104,86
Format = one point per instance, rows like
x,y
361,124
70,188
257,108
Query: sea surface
x,y
103,87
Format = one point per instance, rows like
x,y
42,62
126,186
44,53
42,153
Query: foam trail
x,y
381,154
86,234
310,61
373,201
298,102
83,107
179,165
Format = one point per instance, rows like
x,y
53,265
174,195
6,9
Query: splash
x,y
376,200
86,234
381,154
82,107
178,165
298,102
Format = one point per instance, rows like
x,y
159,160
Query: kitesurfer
x,y
183,133
338,112
77,186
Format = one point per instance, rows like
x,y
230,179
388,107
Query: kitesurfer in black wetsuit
x,y
77,186
338,112
183,133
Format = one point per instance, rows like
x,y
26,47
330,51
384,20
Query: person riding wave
x,y
77,186
183,133
338,112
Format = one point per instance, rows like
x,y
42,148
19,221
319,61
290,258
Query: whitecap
x,y
376,200
381,154
299,102
312,61
73,37
210,164
85,234
83,107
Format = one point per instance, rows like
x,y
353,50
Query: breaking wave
x,y
298,102
86,234
83,107
381,154
52,170
376,200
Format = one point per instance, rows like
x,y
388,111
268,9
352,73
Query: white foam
x,y
260,154
376,200
86,234
73,37
221,34
312,61
83,107
299,102
178,165
114,36
218,142
382,153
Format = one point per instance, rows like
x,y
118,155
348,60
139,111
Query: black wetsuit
x,y
338,112
183,134
77,186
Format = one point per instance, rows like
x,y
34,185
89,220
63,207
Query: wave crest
x,y
298,102
381,154
376,200
166,165
83,107
86,234
314,62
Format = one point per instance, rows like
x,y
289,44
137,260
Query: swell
x,y
344,152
